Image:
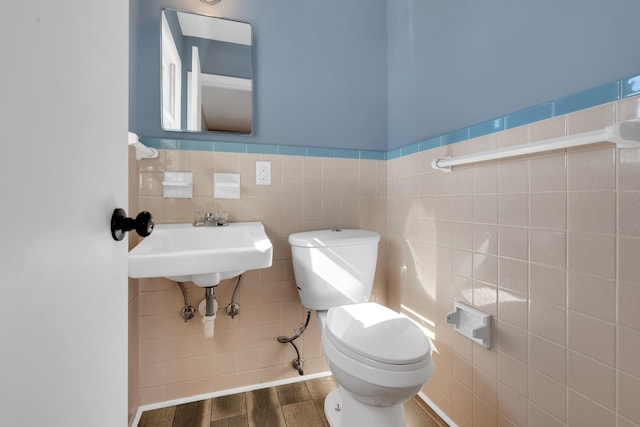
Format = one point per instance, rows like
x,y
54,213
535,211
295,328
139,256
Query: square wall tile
x,y
628,265
592,169
513,406
629,351
629,169
513,308
513,274
485,179
462,181
548,211
485,268
592,212
513,176
589,119
628,219
592,295
548,173
548,284
548,394
548,358
592,379
485,239
593,254
629,109
462,370
514,374
462,398
539,417
548,321
484,415
513,209
513,341
486,359
485,386
592,337
462,208
587,413
628,392
513,242
485,209
548,248
548,129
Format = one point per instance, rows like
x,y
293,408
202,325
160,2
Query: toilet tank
x,y
334,267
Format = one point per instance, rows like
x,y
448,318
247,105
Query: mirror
x,y
206,73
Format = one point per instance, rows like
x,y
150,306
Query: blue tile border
x,y
430,143
187,144
631,86
319,152
262,149
373,155
529,115
292,150
485,128
230,147
394,154
455,136
599,95
587,98
160,143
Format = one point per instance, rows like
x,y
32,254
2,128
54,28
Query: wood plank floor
x,y
299,404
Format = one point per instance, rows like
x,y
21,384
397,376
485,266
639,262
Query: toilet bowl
x,y
378,357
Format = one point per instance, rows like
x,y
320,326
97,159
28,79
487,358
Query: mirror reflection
x,y
206,73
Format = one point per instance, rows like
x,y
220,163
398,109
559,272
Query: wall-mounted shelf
x,y
624,134
472,323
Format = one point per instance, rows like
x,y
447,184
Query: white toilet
x,y
378,357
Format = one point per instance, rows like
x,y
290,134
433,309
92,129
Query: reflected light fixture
x,y
210,2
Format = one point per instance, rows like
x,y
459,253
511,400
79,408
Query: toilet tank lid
x,y
333,237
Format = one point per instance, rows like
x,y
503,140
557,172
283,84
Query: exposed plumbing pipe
x,y
298,361
188,311
210,308
209,296
233,308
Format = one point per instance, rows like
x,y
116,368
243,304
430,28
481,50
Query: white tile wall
x,y
549,244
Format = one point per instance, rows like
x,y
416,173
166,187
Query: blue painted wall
x,y
320,71
383,74
456,63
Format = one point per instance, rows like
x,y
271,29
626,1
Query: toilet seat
x,y
377,336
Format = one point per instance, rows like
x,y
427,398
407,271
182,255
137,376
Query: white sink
x,y
202,255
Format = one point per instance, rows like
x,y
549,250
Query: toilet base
x,y
342,410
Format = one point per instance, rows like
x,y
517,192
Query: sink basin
x,y
202,255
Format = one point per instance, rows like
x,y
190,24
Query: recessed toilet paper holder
x,y
472,323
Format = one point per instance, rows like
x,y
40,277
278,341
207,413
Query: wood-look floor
x,y
299,404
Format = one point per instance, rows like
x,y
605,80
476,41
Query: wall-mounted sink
x,y
202,255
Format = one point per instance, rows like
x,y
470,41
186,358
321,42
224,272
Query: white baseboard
x,y
243,389
259,386
437,410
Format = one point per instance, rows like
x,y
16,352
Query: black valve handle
x,y
120,224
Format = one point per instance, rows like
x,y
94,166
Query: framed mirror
x,y
206,73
